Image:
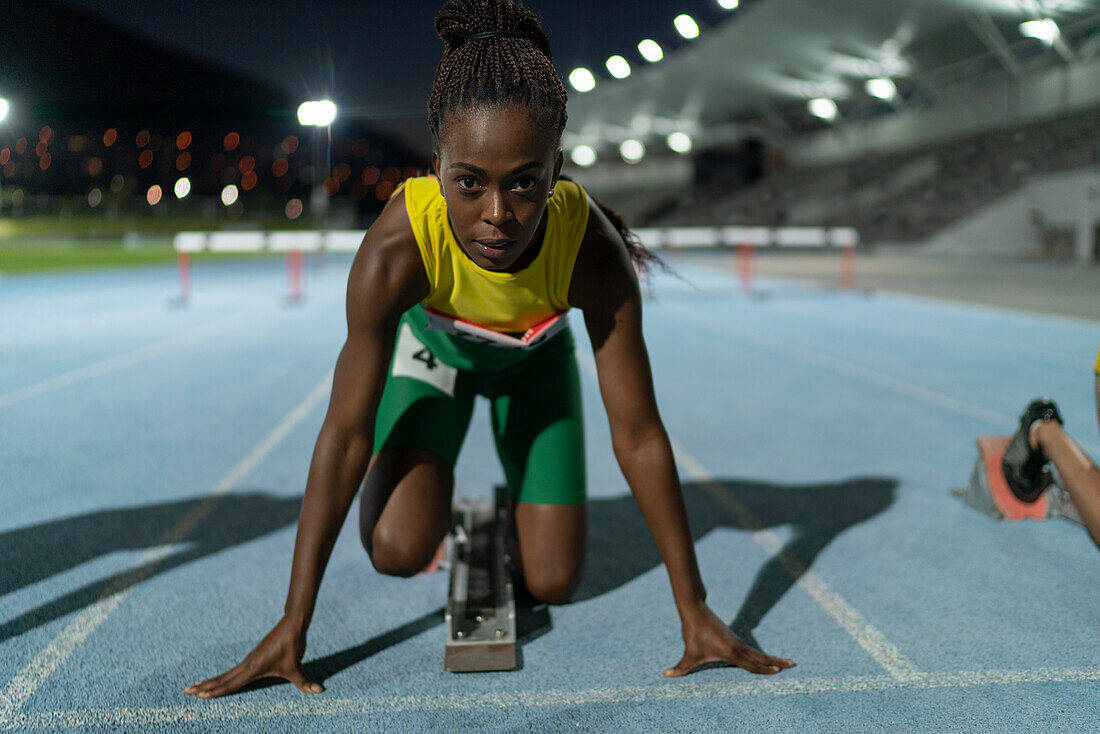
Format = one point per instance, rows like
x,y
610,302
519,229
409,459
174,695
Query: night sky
x,y
377,59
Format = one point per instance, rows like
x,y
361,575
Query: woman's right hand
x,y
279,655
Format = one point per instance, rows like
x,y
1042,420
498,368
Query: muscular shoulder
x,y
387,276
603,271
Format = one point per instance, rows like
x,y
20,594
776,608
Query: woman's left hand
x,y
707,639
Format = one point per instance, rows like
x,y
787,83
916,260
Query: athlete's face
x,y
496,167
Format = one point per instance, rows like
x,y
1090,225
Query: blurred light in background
x,y
729,4
319,113
182,188
583,155
290,144
183,161
680,142
95,198
650,51
142,139
232,140
145,159
293,209
618,67
110,137
153,195
118,183
279,167
4,107
183,140
882,88
1046,30
229,195
824,108
582,79
686,26
632,150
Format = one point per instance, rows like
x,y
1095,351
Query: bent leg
x,y
405,510
552,544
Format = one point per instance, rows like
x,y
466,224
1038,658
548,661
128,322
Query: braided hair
x,y
496,54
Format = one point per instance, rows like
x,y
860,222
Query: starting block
x,y
481,609
988,492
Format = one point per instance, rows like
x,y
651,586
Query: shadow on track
x,y
620,549
35,553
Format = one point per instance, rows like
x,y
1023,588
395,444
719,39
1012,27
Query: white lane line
x,y
302,705
866,635
116,363
30,678
848,617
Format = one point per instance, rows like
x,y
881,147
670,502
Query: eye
x,y
526,183
467,183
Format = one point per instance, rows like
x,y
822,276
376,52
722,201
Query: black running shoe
x,y
1025,468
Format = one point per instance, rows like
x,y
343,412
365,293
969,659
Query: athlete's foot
x,y
1024,462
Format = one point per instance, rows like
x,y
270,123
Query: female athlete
x,y
460,288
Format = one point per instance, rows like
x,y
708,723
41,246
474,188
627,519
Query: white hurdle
x,y
293,244
747,240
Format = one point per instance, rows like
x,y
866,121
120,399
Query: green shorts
x,y
534,397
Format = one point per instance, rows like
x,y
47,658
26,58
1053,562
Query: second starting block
x,y
988,492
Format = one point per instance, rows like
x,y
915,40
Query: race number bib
x,y
413,359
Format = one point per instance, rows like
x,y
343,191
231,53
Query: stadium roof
x,y
753,72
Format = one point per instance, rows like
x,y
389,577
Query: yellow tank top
x,y
511,309
1098,363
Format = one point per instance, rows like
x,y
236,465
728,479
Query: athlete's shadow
x,y
621,547
208,525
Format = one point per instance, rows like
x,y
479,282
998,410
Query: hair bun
x,y
460,21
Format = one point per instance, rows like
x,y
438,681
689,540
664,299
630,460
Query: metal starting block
x,y
481,607
987,490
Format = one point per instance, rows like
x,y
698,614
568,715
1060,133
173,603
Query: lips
x,y
492,249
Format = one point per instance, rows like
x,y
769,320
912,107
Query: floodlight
x,y
632,150
1046,30
729,4
229,195
320,114
582,79
183,188
882,88
826,109
618,67
4,107
650,51
583,155
680,142
686,26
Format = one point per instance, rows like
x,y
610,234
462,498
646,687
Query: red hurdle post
x,y
744,263
294,275
185,276
848,266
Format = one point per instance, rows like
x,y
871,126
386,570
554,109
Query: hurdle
x,y
292,244
747,241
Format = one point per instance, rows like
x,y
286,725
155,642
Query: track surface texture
x,y
153,456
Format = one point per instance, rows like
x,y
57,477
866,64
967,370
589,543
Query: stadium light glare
x,y
229,195
632,150
680,142
182,188
4,107
320,113
884,89
729,4
824,108
618,67
651,51
686,26
582,79
583,155
1046,30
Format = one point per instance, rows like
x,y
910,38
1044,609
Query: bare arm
x,y
605,288
387,277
